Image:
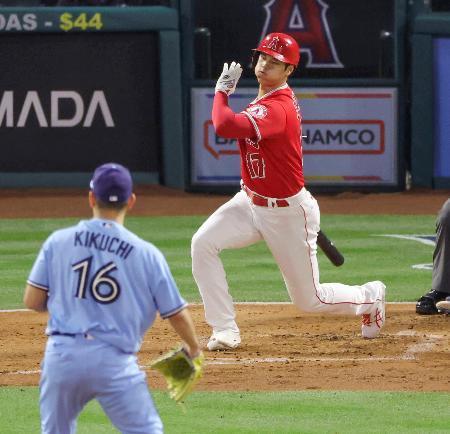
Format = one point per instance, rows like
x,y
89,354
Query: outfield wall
x,y
349,83
81,86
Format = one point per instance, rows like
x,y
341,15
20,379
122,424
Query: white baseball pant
x,y
291,234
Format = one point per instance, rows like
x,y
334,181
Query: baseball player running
x,y
102,286
273,204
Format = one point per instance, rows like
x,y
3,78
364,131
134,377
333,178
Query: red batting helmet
x,y
281,46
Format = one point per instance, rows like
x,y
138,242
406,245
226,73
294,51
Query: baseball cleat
x,y
224,340
427,304
443,306
374,321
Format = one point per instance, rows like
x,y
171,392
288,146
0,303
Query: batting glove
x,y
228,79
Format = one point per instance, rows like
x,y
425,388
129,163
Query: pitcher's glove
x,y
180,371
229,78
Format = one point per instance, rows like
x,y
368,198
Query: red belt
x,y
263,201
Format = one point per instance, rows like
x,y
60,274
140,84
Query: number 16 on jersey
x,y
103,287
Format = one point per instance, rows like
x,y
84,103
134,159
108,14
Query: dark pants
x,y
441,256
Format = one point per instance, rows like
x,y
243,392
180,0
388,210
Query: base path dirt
x,y
161,201
282,349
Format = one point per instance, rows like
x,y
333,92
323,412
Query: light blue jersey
x,y
105,286
105,281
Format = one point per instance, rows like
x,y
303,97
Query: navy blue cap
x,y
112,183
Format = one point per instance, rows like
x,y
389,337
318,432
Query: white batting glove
x,y
228,79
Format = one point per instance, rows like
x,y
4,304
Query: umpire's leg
x,y
441,256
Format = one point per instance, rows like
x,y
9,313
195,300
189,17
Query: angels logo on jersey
x,y
306,21
257,111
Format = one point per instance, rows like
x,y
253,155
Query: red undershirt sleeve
x,y
227,123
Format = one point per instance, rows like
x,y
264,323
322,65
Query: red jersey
x,y
271,146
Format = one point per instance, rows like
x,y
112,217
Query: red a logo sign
x,y
305,21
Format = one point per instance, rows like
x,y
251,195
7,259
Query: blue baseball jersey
x,y
105,281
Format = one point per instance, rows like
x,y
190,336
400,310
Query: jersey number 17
x,y
256,165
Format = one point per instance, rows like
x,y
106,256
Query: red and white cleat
x,y
374,321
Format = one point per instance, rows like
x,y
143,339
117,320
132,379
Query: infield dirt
x,y
282,348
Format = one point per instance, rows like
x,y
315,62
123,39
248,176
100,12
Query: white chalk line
x,y
427,344
243,303
15,310
410,354
285,360
38,371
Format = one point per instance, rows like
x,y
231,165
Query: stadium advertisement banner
x,y
67,109
349,137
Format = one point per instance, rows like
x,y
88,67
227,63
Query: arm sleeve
x,y
227,123
39,273
167,297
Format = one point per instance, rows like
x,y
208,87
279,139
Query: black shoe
x,y
426,305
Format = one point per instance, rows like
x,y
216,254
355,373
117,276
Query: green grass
x,y
280,412
253,276
252,272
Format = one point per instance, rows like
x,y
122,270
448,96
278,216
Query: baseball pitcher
x,y
102,286
273,204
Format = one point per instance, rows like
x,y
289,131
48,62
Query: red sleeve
x,y
227,123
268,119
